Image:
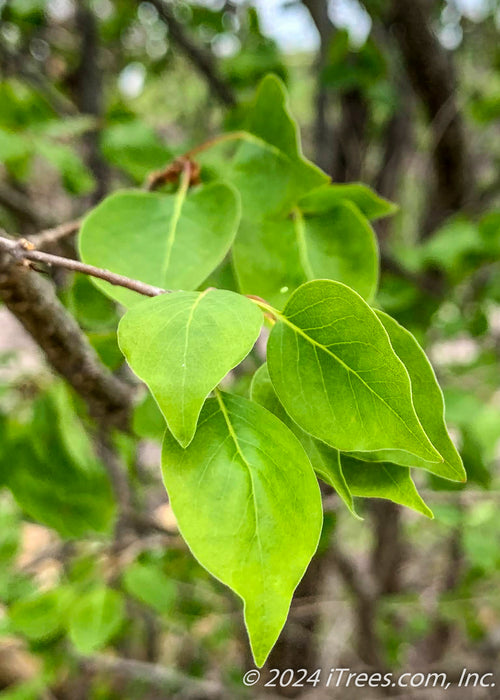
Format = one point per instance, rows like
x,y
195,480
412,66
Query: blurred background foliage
x,y
403,95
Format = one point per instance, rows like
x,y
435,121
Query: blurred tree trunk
x,y
397,144
318,9
339,151
89,95
351,144
432,76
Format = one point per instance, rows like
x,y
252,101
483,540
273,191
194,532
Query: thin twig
x,y
173,170
23,249
32,299
153,675
47,238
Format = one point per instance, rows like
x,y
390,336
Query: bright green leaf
x,y
429,406
335,372
269,151
324,459
369,203
95,618
248,504
135,148
183,344
276,256
349,477
171,241
246,162
270,119
388,481
42,615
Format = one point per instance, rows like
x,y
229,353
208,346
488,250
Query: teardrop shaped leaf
x,y
383,480
169,241
276,255
336,374
324,459
268,150
357,478
270,119
429,405
183,344
248,505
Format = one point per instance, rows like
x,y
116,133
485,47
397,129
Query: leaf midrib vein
x,y
308,338
180,198
247,465
184,354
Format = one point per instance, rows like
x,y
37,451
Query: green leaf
x,y
324,459
246,162
183,344
95,618
270,119
248,505
58,479
42,615
429,406
135,148
279,245
92,309
269,152
148,422
335,372
388,481
369,203
75,176
456,248
276,256
349,477
13,146
171,241
148,583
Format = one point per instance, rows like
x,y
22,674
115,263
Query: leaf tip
x,y
184,437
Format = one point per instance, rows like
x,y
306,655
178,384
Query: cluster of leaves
x,y
346,392
57,479
85,610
